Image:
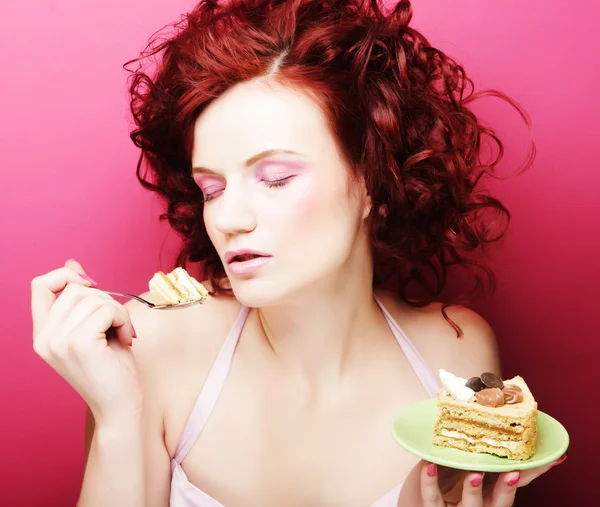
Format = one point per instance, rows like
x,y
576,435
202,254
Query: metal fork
x,y
169,306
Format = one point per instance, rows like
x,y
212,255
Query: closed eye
x,y
210,186
278,183
210,194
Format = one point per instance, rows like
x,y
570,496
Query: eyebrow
x,y
252,160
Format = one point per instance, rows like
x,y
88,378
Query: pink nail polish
x,y
431,469
476,482
515,480
89,279
134,334
560,460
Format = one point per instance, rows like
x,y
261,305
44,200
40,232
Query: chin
x,y
254,292
260,293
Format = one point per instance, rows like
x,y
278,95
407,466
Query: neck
x,y
322,334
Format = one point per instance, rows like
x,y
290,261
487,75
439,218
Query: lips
x,y
243,255
246,263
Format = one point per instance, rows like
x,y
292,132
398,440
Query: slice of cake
x,y
486,415
177,287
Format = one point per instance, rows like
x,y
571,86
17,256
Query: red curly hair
x,y
396,105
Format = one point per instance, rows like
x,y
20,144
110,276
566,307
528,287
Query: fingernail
x,y
514,480
131,344
134,334
89,279
431,469
560,460
476,481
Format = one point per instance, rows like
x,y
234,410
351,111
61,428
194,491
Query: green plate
x,y
413,430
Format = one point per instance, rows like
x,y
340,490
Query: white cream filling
x,y
163,290
495,443
183,281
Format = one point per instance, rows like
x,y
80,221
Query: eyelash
x,y
209,197
270,184
278,183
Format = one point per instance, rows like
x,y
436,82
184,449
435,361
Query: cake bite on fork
x,y
177,287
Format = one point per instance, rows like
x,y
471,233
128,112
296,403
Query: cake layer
x,y
476,427
187,285
513,450
504,422
165,289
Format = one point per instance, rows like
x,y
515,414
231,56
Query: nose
x,y
235,214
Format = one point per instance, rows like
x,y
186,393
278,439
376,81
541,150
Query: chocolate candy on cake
x,y
512,394
491,380
490,397
491,391
476,384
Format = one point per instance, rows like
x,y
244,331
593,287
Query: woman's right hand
x,y
85,335
428,485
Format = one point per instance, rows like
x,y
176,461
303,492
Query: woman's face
x,y
281,208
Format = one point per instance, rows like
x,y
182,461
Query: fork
x,y
169,306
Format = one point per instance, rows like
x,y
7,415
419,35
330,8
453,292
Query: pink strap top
x,y
183,492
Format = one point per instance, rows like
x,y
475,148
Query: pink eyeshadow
x,y
276,170
209,183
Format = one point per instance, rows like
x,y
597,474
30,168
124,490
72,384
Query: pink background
x,y
68,189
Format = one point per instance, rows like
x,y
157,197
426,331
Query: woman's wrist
x,y
123,424
120,417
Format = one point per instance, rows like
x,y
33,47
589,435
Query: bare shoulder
x,y
173,343
436,340
166,334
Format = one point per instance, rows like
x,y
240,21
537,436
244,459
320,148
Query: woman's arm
x,y
126,462
132,456
114,465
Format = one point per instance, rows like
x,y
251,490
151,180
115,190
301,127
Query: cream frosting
x,y
490,441
456,386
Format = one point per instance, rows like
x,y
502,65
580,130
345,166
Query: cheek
x,y
211,230
318,212
301,205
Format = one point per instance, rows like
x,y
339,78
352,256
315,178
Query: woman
x,y
309,152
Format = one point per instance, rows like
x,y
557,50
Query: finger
x,y
504,491
472,495
528,476
430,490
84,308
78,268
75,266
107,317
450,481
44,289
69,300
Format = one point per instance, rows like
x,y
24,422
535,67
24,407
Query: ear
x,y
368,205
359,190
365,198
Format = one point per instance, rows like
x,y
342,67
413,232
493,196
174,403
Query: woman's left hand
x,y
446,487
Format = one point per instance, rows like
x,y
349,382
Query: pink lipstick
x,y
246,261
